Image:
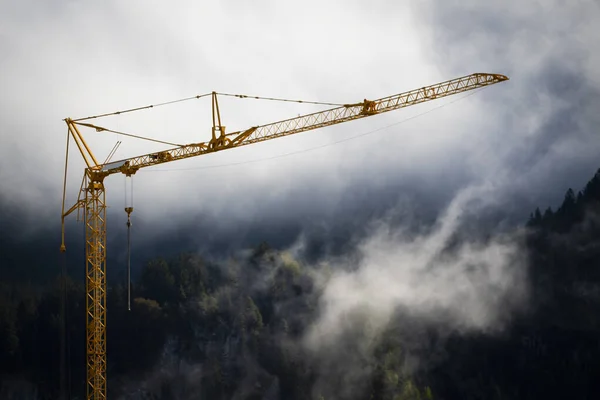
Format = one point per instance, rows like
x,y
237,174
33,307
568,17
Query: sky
x,y
532,137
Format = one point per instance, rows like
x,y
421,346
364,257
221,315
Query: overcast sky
x,y
533,136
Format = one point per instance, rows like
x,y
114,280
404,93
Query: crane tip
x,y
496,77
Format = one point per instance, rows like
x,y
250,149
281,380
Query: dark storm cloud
x,y
532,134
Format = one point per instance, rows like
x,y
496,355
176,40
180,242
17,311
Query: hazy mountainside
x,y
236,329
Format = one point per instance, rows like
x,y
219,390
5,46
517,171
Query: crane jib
x,y
307,122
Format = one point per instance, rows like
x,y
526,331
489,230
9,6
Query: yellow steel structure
x,y
92,192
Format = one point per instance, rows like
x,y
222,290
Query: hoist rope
x,y
128,264
128,210
131,192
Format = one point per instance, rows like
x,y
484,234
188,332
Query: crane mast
x,y
92,197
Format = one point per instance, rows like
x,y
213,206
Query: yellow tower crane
x,y
92,192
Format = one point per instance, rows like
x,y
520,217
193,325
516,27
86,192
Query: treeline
x,y
573,210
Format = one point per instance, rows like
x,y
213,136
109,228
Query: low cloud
x,y
435,276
